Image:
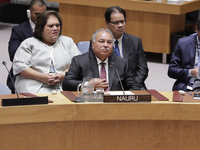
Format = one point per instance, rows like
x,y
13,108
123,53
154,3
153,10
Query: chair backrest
x,y
4,89
83,46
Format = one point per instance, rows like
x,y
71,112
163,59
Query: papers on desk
x,y
119,93
175,1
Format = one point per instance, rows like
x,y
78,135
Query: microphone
x,y
32,100
4,63
112,65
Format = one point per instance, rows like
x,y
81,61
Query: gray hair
x,y
99,30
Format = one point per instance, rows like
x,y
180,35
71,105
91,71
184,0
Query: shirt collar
x,y
119,39
32,24
99,61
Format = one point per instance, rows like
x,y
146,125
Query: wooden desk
x,y
64,125
153,22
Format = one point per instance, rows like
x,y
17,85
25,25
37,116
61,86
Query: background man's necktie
x,y
117,48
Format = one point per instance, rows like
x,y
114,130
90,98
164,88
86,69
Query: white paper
x,y
175,1
119,92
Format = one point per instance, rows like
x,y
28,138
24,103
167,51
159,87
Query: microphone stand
x,y
23,101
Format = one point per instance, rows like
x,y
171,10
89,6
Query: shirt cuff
x,y
189,73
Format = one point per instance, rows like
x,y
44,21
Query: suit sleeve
x,y
72,78
176,70
14,43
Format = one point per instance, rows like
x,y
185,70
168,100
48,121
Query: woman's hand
x,y
50,79
56,79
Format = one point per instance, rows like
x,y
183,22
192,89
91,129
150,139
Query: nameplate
x,y
128,98
25,101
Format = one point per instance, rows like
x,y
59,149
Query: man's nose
x,y
120,24
105,44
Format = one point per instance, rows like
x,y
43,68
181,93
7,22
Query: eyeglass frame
x,y
116,23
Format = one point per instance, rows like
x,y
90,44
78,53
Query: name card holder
x,y
128,98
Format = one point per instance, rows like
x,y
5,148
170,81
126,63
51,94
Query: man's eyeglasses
x,y
116,23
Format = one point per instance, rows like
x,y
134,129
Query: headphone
x,y
28,13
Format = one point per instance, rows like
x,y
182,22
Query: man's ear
x,y
28,13
92,44
106,23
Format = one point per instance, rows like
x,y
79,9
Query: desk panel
x,y
114,126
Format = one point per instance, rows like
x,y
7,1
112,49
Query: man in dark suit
x,y
185,61
130,47
90,65
24,31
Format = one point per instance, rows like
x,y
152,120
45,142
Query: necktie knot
x,y
103,63
116,42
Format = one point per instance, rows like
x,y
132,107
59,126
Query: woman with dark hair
x,y
40,62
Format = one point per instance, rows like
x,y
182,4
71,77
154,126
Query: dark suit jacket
x,y
19,34
134,53
85,65
182,60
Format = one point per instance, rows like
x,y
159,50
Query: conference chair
x,y
4,89
83,46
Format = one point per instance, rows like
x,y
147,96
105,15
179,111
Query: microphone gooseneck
x,y
4,63
112,64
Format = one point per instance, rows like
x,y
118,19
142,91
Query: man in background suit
x,y
24,31
89,65
185,61
130,47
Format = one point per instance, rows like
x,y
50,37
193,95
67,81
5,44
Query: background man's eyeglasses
x,y
116,23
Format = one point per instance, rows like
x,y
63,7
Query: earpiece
x,y
28,13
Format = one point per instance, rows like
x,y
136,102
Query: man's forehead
x,y
102,35
38,8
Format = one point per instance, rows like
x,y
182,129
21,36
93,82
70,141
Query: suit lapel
x,y
126,45
111,70
93,64
29,30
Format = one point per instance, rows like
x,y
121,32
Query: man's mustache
x,y
105,48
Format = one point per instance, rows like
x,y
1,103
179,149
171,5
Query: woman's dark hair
x,y
113,9
42,20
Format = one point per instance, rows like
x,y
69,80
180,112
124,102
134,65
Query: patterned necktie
x,y
103,73
117,52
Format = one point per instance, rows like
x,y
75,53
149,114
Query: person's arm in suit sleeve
x,y
14,43
73,76
176,70
142,68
